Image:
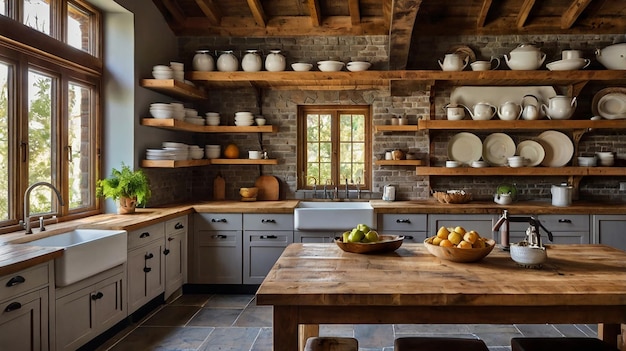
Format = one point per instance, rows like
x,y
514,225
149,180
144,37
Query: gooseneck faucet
x,y
314,186
26,223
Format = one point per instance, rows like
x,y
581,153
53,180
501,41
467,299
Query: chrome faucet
x,y
26,221
347,193
325,189
314,186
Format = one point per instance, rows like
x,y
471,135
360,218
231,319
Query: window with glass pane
x,y
41,138
335,146
5,107
37,15
79,24
3,7
80,132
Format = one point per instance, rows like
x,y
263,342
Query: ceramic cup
x,y
254,155
571,54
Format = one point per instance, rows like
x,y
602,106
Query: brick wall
x,y
280,107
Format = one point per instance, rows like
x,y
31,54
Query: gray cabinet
x,y
310,236
218,248
175,254
412,226
565,228
89,307
609,230
145,266
24,309
265,238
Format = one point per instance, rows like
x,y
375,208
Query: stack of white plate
x,y
178,110
199,121
180,150
244,118
162,72
212,151
159,154
212,118
178,71
196,152
161,110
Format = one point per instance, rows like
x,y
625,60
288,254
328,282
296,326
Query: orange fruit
x,y
446,243
231,151
464,245
470,237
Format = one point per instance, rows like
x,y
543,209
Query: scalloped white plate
x,y
612,106
465,148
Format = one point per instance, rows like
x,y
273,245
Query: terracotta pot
x,y
126,205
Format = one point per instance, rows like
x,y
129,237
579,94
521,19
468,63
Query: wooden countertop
x,y
14,258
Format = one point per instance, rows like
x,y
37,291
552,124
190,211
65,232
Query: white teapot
x,y
503,199
509,111
453,62
560,107
531,110
525,57
482,111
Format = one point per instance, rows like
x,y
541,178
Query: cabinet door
x,y
24,322
218,256
175,257
609,230
145,270
482,224
261,250
75,323
108,302
303,236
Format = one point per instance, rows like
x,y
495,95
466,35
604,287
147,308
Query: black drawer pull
x,y
166,252
170,239
179,226
409,237
144,235
220,236
565,221
269,237
403,221
149,256
18,279
147,269
268,221
97,296
13,306
222,220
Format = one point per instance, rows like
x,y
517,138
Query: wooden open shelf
x,y
398,128
174,164
175,124
519,124
242,161
175,88
521,171
398,162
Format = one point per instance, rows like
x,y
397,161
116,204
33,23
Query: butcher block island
x,y
314,284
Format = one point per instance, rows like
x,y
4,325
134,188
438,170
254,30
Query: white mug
x,y
571,54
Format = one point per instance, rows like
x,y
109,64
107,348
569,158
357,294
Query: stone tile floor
x,y
236,323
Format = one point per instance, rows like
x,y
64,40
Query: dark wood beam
x,y
177,14
527,6
210,10
257,12
387,12
401,31
355,12
573,12
315,13
482,15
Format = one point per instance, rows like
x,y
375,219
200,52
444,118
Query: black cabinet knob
x,y
18,279
149,256
222,220
144,235
268,221
403,221
166,252
565,220
97,296
147,269
179,226
269,237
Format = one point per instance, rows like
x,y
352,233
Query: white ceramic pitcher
x,y
453,62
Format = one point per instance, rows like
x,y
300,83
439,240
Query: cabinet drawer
x,y
272,238
15,284
218,237
269,221
402,222
146,235
176,225
557,223
218,221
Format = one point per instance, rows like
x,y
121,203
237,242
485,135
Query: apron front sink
x,y
336,216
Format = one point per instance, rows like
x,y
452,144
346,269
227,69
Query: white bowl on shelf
x,y
161,113
301,66
357,66
330,66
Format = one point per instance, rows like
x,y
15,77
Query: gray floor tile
x,y
163,338
431,329
215,317
571,330
341,330
192,300
172,316
497,339
229,301
231,339
538,330
256,316
263,341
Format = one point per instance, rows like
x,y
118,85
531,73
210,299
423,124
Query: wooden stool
x,y
320,343
413,343
561,344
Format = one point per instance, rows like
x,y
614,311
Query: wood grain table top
x,y
324,275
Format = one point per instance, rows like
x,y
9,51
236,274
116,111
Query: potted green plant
x,y
127,187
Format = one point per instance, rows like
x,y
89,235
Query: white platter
x,y
470,96
497,148
465,148
568,65
612,106
532,151
558,147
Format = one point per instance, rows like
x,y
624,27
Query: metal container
x,y
389,193
561,195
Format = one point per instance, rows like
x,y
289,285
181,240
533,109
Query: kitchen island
x,y
314,284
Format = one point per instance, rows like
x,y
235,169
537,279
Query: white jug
x,y
275,61
482,111
561,195
251,61
203,61
453,62
560,107
227,62
509,111
530,108
389,193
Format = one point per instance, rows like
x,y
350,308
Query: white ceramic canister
x,y
275,61
203,61
561,195
251,61
389,193
227,62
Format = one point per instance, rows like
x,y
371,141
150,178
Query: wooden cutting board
x,y
219,188
268,188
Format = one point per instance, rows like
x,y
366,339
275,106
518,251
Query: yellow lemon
x,y
455,237
460,230
464,245
446,243
436,240
442,233
470,237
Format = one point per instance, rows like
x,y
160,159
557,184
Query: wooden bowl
x,y
459,255
249,192
387,243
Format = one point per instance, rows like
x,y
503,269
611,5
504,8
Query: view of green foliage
x,y
4,142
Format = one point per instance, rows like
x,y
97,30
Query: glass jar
x,y
275,61
227,62
251,61
203,61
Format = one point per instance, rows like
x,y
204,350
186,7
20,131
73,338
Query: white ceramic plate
x,y
497,148
568,65
532,151
558,147
612,106
465,148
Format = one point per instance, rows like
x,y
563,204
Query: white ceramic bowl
x,y
525,255
605,154
161,113
301,66
196,154
212,114
330,66
260,121
357,66
254,155
162,74
453,164
587,161
479,164
213,121
177,66
212,153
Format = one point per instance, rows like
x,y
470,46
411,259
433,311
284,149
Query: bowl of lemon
x,y
459,245
362,239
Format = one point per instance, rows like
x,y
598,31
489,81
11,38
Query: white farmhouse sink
x,y
339,216
86,252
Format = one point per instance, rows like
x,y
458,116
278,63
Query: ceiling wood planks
x,y
482,15
174,10
315,13
257,12
355,12
211,11
524,12
573,12
401,31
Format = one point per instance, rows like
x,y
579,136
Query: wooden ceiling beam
x,y
177,14
257,12
210,10
527,6
355,12
482,15
387,12
315,13
401,32
573,12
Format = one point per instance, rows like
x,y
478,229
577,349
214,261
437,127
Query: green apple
x,y
346,236
356,236
372,236
363,227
